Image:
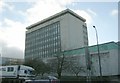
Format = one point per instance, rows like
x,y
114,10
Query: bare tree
x,y
74,66
67,64
76,69
39,66
58,64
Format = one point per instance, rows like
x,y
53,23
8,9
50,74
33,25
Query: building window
x,y
46,40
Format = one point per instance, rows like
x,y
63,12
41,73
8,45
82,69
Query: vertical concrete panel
x,y
64,32
114,62
76,32
71,32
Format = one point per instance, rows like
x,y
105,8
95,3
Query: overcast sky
x,y
15,16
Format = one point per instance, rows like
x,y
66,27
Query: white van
x,y
16,71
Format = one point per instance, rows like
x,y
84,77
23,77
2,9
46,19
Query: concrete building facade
x,y
11,61
63,31
109,54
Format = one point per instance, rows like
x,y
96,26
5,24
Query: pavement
x,y
115,80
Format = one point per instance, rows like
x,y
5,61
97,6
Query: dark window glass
x,y
10,69
25,71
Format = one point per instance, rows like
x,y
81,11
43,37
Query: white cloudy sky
x,y
15,16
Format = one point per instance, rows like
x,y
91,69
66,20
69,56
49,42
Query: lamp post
x,y
99,58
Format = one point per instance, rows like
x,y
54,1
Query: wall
x,y
71,32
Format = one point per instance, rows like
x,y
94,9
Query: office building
x,y
11,61
63,31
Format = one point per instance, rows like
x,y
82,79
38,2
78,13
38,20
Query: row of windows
x,y
47,47
42,53
101,54
44,35
40,36
43,38
45,31
47,53
85,35
37,56
42,48
43,42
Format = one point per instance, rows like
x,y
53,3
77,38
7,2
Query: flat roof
x,y
103,47
55,16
